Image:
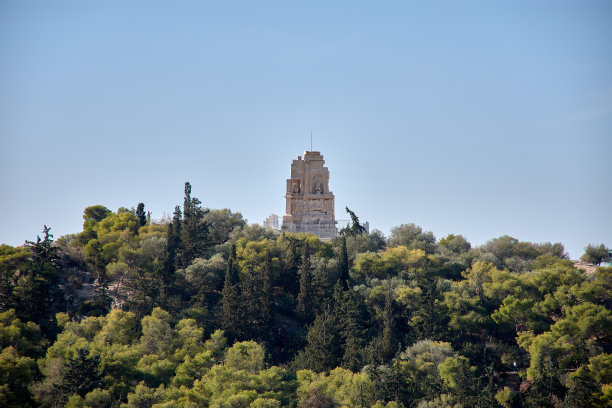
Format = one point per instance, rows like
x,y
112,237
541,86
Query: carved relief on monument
x,y
318,184
317,206
297,206
296,186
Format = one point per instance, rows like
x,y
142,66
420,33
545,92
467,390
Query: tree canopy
x,y
204,310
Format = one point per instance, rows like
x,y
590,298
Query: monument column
x,y
309,203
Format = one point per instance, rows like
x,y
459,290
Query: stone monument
x,y
310,204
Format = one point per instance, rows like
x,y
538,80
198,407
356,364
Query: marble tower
x,y
309,203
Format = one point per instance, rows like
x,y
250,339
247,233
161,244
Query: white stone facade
x,y
271,222
309,203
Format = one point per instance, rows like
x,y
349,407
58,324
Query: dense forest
x,y
203,310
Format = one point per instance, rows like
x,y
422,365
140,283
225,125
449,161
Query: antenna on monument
x,y
311,140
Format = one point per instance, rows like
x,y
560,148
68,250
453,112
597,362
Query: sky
x,y
480,118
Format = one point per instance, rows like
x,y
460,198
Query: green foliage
x,y
322,352
413,237
129,314
357,244
356,228
246,355
140,213
596,254
26,338
32,288
304,306
16,373
456,244
231,299
340,387
222,224
343,264
509,252
81,374
194,231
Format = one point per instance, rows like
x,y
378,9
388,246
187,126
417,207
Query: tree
x,y
388,345
230,301
356,228
595,254
91,216
455,243
37,289
352,322
304,296
16,373
82,374
43,251
194,234
266,298
343,264
221,225
140,213
413,237
322,353
173,249
418,371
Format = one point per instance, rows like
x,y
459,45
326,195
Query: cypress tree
x,y
320,287
343,264
356,228
304,301
249,303
352,325
290,273
324,343
194,234
140,213
173,246
388,346
266,298
231,299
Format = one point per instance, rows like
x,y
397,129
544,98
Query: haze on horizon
x,y
472,117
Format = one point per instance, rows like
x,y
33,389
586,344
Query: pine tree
x,y
44,253
37,292
146,290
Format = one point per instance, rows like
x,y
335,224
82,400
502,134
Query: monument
x,y
309,203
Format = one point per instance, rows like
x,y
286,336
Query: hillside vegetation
x,y
203,310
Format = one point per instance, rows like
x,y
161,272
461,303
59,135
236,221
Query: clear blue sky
x,y
481,118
